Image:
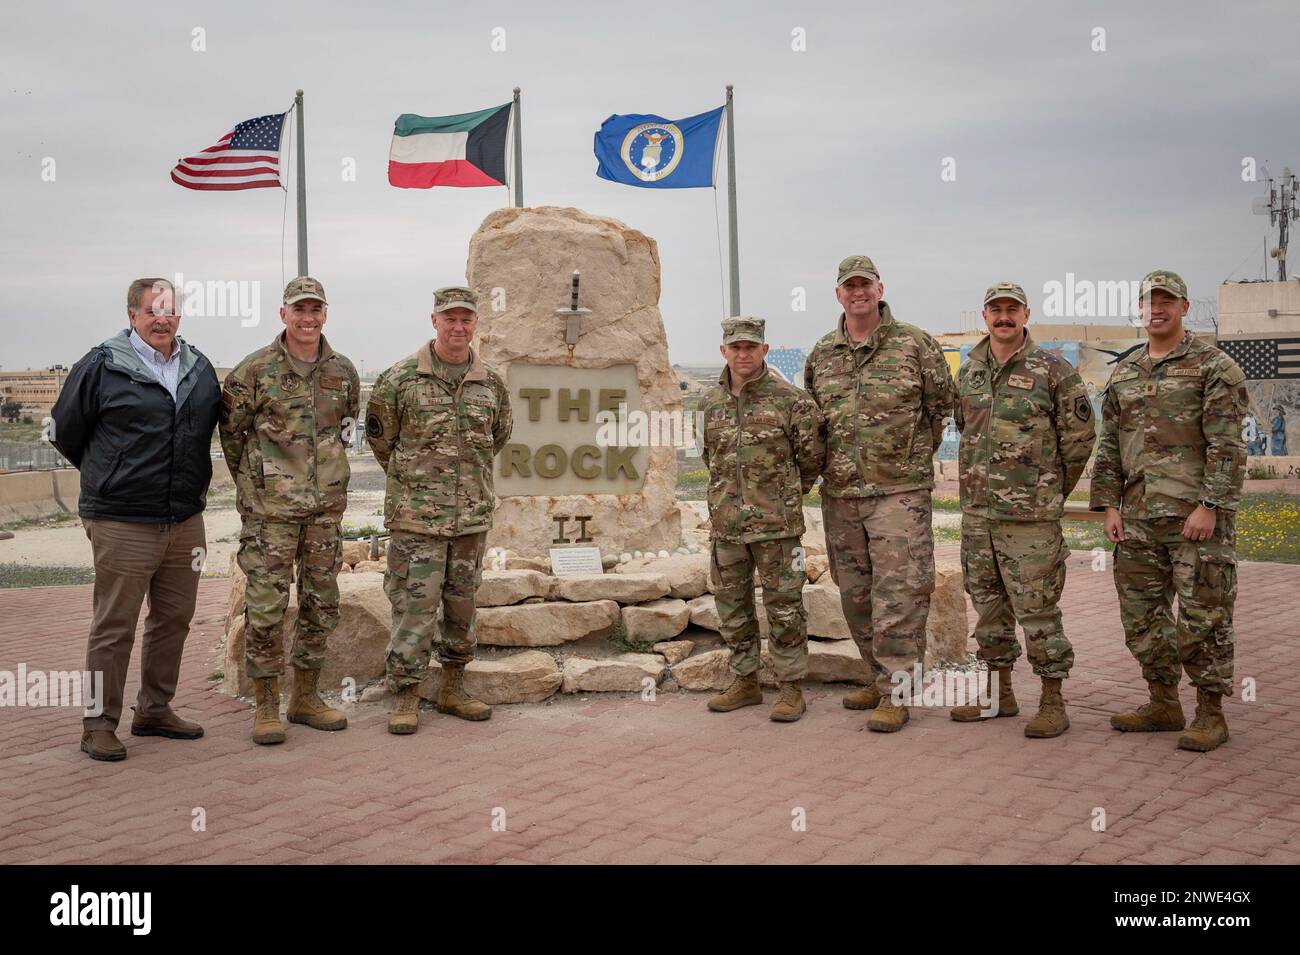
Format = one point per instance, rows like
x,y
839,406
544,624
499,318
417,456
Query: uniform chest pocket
x,y
763,433
478,424
719,436
1178,387
331,404
1131,393
974,406
898,379
835,377
288,416
428,418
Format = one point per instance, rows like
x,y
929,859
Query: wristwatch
x,y
1208,505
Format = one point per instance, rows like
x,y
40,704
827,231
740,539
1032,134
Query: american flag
x,y
247,157
1263,359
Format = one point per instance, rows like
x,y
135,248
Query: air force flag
x,y
644,150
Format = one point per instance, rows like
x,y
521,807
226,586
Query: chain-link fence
x,y
30,456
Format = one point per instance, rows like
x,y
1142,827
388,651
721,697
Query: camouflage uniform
x,y
1172,437
285,440
436,441
764,450
1026,434
885,400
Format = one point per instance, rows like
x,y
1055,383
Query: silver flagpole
x,y
731,205
519,152
302,190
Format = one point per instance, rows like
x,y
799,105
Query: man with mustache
x,y
886,392
1027,431
288,412
135,416
1170,466
435,421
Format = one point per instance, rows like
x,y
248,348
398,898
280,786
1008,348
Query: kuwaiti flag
x,y
468,149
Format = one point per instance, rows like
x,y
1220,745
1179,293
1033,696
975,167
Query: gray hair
x,y
136,292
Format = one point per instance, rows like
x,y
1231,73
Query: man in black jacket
x,y
136,416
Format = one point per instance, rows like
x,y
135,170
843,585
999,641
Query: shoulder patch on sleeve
x,y
1233,375
1082,408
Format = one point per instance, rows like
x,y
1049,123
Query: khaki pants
x,y
133,561
881,552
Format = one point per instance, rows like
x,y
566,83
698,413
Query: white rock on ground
x,y
500,588
704,612
546,624
688,576
625,588
623,673
657,620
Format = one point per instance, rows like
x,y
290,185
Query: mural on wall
x,y
1272,367
1274,423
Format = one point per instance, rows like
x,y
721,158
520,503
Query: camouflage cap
x,y
1164,280
743,328
857,265
1006,290
304,286
455,296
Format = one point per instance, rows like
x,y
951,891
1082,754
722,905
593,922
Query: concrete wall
x,y
1244,308
28,495
31,495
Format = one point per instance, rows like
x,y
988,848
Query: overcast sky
x,y
1104,164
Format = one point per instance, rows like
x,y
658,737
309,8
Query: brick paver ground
x,y
610,778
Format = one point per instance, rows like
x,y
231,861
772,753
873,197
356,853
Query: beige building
x,y
1260,308
36,390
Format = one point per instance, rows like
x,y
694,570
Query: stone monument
x,y
577,377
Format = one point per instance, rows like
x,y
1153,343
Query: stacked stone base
x,y
650,626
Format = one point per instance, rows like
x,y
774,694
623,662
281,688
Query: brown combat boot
x,y
1050,720
453,699
267,727
103,745
866,698
166,724
1163,714
1209,730
789,704
405,715
889,716
306,706
744,691
1007,705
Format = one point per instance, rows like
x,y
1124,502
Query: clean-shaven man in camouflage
x,y
435,421
1027,431
886,392
288,413
764,448
1170,465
